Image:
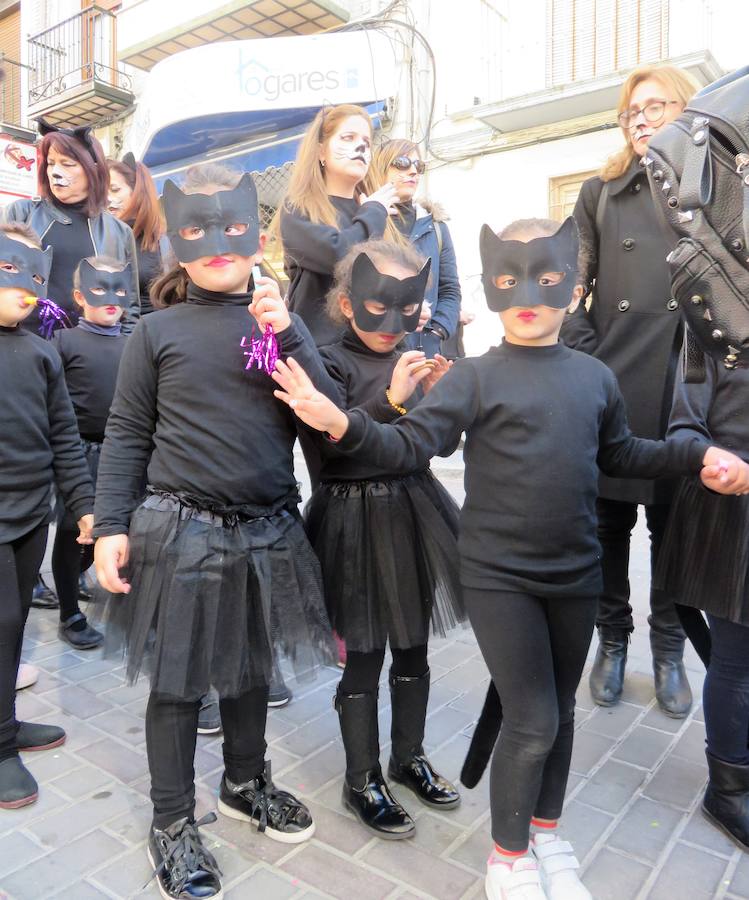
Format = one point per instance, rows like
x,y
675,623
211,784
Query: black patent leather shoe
x,y
376,808
43,597
183,867
607,675
430,787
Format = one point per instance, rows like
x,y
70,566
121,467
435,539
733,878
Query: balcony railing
x,y
74,69
11,87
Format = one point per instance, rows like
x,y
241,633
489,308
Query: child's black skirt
x,y
389,558
704,559
213,591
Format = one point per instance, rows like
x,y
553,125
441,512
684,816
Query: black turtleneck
x,y
539,423
90,357
40,441
70,244
362,375
212,429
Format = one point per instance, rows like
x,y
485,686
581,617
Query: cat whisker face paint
x,y
200,225
57,177
401,297
513,271
24,267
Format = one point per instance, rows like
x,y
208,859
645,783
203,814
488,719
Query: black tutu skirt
x,y
213,592
389,557
704,559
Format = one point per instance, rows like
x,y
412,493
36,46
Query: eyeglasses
x,y
653,112
403,164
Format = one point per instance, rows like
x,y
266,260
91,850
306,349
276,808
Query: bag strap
x,y
438,232
692,359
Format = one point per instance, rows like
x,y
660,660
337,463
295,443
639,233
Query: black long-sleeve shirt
x,y
213,430
539,423
714,410
311,252
90,360
40,442
362,376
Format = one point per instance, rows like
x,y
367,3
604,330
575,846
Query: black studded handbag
x,y
698,168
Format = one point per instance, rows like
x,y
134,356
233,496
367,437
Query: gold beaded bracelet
x,y
396,407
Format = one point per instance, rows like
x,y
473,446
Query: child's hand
x,y
85,527
724,472
310,405
268,306
442,366
425,315
410,369
110,555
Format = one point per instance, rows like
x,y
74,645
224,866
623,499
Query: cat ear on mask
x,y
364,274
170,195
569,232
422,276
45,128
489,243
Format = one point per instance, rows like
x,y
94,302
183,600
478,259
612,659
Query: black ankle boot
x,y
607,675
672,690
726,801
365,792
408,765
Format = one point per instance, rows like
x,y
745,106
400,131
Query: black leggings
x,y
362,672
535,650
69,559
171,735
20,561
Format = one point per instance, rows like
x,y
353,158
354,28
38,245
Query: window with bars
x,y
596,37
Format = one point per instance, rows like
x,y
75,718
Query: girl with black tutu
x,y
386,541
90,355
217,568
705,564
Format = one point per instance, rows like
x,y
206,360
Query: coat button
x,y
636,187
737,245
717,335
696,299
672,304
628,243
623,305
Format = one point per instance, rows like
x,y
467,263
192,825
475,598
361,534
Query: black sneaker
x,y
43,597
84,637
17,785
209,718
278,813
33,736
184,869
278,694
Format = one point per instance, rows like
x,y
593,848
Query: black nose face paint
x,y
396,294
32,266
224,222
105,288
526,263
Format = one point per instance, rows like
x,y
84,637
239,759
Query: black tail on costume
x,y
484,739
696,629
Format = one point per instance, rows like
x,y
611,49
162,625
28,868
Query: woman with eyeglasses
x,y
399,163
632,323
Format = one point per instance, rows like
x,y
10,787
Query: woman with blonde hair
x,y
632,324
326,210
399,162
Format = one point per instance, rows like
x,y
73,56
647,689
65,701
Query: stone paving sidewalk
x,y
632,809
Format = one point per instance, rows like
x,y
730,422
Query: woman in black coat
x,y
633,325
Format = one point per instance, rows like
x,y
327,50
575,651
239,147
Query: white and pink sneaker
x,y
519,881
558,867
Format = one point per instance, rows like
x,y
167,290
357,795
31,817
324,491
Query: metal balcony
x,y
74,78
13,121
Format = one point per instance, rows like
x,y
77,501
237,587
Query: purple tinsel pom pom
x,y
51,316
262,352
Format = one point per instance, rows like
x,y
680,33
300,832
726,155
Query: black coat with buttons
x,y
631,323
